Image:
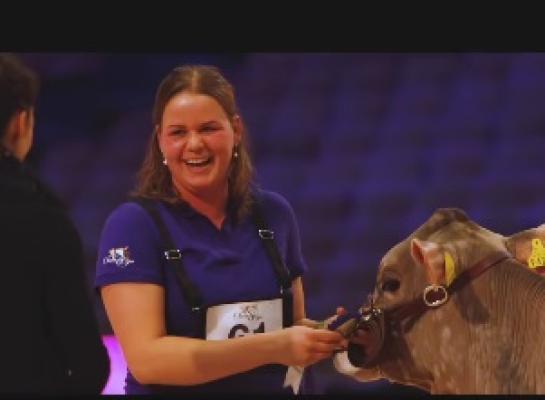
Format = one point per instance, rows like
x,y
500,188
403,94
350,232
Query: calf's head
x,y
411,324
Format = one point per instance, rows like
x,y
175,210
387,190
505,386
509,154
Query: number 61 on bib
x,y
226,321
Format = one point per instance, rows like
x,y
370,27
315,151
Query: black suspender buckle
x,y
173,254
266,234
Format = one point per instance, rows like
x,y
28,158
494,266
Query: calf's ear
x,y
528,248
430,256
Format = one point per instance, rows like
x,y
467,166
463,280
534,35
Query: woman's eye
x,y
209,129
177,132
390,285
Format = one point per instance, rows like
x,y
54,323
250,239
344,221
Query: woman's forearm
x,y
174,360
310,323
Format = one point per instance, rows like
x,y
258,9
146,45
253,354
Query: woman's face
x,y
197,138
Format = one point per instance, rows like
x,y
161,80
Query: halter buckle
x,y
266,234
435,289
173,254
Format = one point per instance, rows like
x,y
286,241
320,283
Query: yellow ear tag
x,y
537,257
450,268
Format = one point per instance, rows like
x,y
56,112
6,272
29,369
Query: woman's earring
x,y
235,154
164,161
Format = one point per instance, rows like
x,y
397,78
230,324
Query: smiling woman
x,y
198,142
196,123
198,248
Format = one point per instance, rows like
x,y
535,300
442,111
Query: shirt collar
x,y
184,209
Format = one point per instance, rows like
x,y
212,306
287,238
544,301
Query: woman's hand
x,y
303,346
338,312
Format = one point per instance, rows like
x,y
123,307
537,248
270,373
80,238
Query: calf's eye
x,y
390,285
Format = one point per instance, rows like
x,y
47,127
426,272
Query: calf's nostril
x,y
356,354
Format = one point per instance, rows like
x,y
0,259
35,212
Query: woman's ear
x,y
237,128
158,136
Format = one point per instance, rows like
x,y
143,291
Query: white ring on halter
x,y
435,288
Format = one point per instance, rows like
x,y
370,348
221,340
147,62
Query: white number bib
x,y
227,321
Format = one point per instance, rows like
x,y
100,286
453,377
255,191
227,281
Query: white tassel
x,y
294,375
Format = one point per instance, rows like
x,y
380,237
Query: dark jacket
x,y
49,337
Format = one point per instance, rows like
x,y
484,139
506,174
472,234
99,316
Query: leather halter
x,y
384,321
419,305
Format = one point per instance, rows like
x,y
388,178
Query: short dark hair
x,y
19,87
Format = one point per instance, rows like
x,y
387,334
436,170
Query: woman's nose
x,y
194,140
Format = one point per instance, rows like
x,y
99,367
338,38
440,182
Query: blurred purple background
x,y
364,146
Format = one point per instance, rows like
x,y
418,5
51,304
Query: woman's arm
x,y
299,314
136,312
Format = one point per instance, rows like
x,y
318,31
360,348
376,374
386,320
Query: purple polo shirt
x,y
227,265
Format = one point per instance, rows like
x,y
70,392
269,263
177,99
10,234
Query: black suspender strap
x,y
267,238
190,292
282,273
172,255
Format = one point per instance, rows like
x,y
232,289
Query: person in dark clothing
x,y
49,341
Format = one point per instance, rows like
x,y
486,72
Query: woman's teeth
x,y
197,162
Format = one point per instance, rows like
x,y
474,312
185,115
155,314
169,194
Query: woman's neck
x,y
212,204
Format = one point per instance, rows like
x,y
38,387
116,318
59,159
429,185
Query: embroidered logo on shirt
x,y
120,257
